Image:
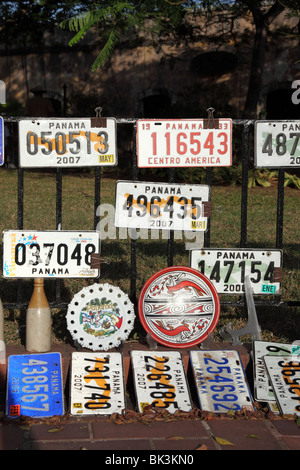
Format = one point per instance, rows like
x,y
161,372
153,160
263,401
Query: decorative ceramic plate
x,y
179,307
100,317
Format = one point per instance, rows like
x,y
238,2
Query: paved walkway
x,y
163,436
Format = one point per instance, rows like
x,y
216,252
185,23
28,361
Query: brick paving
x,y
155,435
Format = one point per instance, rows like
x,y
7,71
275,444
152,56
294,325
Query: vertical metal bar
x,y
244,198
20,223
207,233
97,196
58,223
280,201
171,232
133,273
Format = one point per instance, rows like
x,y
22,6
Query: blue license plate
x,y
34,386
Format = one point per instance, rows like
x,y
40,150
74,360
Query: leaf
x,y
55,429
223,442
253,436
174,438
202,447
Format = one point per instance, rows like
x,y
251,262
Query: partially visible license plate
x,y
34,386
65,142
56,254
227,269
162,206
284,373
2,144
220,381
97,383
160,381
263,390
183,143
277,144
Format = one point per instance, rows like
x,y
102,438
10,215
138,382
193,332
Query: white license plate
x,y
67,142
263,390
1,140
50,254
160,381
161,206
220,381
277,144
34,386
284,373
183,143
97,383
227,269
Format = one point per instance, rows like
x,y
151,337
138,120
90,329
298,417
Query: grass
x,y
278,323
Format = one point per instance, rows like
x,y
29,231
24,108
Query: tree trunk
x,y
261,21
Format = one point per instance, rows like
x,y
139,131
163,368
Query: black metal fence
x,y
245,128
